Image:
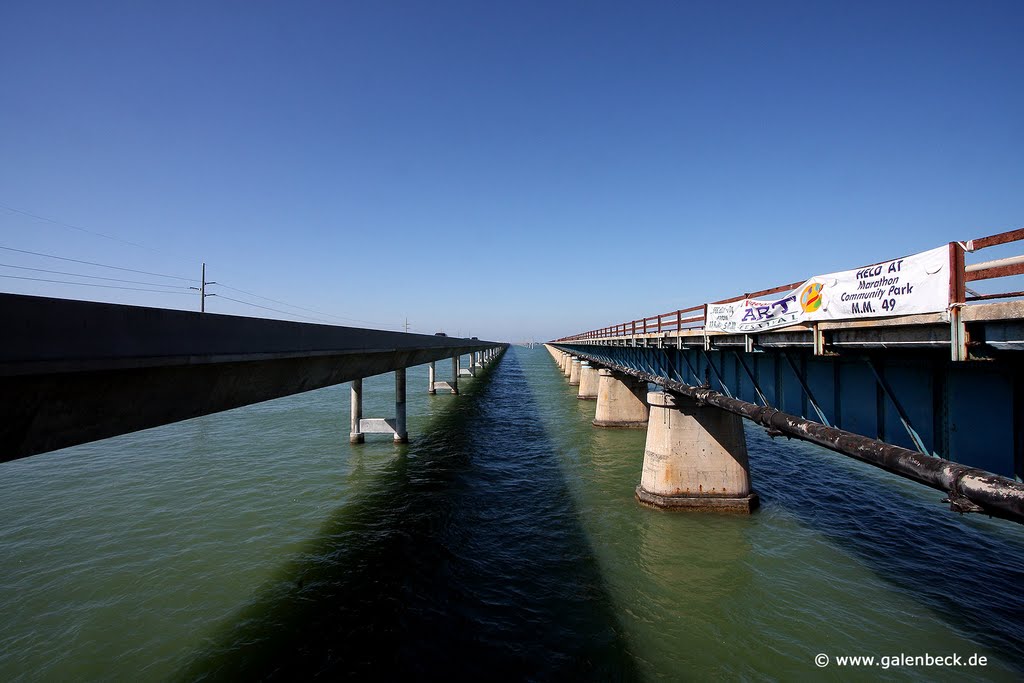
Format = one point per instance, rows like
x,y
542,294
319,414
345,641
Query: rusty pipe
x,y
969,489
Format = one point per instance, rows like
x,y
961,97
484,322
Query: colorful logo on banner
x,y
810,298
905,286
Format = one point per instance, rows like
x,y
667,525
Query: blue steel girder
x,y
809,399
968,412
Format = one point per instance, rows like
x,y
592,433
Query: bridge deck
x,y
77,371
999,325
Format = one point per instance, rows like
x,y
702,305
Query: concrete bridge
x,y
73,371
897,364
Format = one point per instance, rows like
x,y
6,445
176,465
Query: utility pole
x,y
202,290
407,324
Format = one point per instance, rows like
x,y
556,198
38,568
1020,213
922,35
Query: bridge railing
x,y
693,318
998,268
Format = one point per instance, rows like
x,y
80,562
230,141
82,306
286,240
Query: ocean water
x,y
503,542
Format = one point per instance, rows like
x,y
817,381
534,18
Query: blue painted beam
x,y
975,404
970,485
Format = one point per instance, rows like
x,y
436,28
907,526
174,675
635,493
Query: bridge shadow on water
x,y
967,570
464,560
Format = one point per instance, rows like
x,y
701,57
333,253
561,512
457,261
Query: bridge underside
x,y
964,412
73,372
893,383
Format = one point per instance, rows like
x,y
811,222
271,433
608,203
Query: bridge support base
x,y
574,372
470,369
362,426
431,382
401,435
620,401
567,365
355,434
588,382
695,458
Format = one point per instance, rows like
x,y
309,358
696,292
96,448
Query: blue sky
x,y
508,170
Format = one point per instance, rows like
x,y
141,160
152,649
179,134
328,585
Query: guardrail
x,y
959,293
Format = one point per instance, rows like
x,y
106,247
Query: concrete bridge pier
x,y
431,389
355,435
469,370
574,372
401,434
567,366
620,401
362,426
588,382
695,458
452,386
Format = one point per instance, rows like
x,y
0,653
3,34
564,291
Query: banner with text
x,y
903,286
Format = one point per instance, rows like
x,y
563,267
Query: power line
x,y
202,289
12,209
76,227
90,284
308,310
94,277
268,308
101,265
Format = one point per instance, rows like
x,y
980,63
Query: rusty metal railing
x,y
959,294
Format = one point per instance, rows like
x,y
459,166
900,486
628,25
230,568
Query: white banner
x,y
904,286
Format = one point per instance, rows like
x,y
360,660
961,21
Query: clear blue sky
x,y
506,169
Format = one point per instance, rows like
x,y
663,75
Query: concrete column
x,y
433,375
401,435
695,458
620,401
567,369
354,435
588,382
472,365
574,372
455,374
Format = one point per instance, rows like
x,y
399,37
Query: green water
x,y
502,542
